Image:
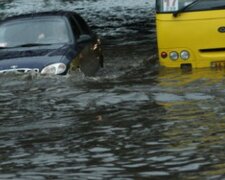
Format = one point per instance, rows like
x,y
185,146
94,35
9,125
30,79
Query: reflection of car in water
x,y
191,33
49,43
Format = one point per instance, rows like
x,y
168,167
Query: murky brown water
x,y
131,121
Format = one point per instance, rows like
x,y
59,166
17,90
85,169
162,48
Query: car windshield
x,y
193,5
36,31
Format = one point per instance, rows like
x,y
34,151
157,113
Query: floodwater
x,y
131,121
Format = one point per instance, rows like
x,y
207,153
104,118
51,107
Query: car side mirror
x,y
84,38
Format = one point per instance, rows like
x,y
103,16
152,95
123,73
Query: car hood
x,y
33,57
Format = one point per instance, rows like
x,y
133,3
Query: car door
x,y
90,55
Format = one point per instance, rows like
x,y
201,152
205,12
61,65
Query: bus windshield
x,y
166,6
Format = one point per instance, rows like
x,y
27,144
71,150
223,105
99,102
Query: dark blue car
x,y
49,43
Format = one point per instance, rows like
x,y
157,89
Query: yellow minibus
x,y
191,33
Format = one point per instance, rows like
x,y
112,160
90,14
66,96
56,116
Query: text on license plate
x,y
218,64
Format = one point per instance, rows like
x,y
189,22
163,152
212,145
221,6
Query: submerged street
x,y
131,121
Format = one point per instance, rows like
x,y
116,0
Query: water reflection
x,y
195,118
113,128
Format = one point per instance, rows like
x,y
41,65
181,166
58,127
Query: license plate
x,y
218,64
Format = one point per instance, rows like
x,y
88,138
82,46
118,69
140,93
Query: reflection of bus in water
x,y
191,33
184,81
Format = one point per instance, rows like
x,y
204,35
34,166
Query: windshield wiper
x,y
25,45
30,45
218,7
183,8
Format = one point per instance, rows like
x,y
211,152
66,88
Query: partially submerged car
x,y
49,43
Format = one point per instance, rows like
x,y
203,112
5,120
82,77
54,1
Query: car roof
x,y
40,14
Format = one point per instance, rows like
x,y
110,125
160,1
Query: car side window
x,y
83,25
75,28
